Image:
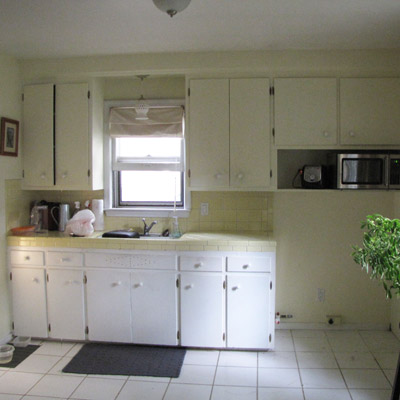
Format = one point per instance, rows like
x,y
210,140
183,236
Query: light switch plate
x,y
203,209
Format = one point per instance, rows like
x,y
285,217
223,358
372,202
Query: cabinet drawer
x,y
21,257
154,262
250,264
107,260
60,258
200,263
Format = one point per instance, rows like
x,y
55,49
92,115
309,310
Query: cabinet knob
x,y
352,134
118,283
27,258
64,175
138,285
198,265
239,176
246,266
237,287
36,280
191,286
42,175
326,134
65,259
218,175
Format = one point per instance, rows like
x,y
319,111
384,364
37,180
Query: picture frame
x,y
9,137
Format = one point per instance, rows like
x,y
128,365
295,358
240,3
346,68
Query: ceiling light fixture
x,y
171,7
142,108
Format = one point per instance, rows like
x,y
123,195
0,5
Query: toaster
x,y
314,177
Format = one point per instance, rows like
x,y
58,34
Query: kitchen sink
x,y
126,234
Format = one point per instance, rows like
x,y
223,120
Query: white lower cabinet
x,y
108,305
29,302
248,310
154,307
202,309
65,304
213,300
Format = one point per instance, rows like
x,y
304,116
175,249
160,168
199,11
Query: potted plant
x,y
380,253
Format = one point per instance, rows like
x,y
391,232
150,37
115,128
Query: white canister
x,y
98,211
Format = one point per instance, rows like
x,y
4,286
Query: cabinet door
x,y
65,304
248,311
72,136
305,111
249,133
369,111
209,133
38,136
108,305
29,302
154,307
202,310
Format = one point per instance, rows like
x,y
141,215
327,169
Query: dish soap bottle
x,y
176,232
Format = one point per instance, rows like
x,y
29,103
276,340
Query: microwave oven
x,y
365,170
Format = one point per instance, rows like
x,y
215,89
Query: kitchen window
x,y
145,153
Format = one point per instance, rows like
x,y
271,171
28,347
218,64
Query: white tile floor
x,y
305,365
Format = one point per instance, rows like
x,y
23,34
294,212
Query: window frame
x,y
111,197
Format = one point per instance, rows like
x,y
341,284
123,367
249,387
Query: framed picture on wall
x,y
9,137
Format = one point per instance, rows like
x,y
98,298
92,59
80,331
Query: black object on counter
x,y
121,234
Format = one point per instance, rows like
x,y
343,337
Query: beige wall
x,y
10,168
315,232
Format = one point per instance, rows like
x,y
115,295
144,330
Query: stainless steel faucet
x,y
146,229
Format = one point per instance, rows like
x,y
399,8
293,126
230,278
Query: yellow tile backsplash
x,y
228,211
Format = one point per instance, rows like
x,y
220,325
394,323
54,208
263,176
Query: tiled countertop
x,y
196,241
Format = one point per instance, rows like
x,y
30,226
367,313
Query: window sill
x,y
145,212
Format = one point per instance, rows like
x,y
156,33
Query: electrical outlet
x,y
321,295
203,209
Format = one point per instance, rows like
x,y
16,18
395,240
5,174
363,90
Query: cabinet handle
x,y
236,287
352,134
64,175
65,259
42,175
326,134
27,258
36,280
246,266
239,176
137,285
118,283
198,265
191,286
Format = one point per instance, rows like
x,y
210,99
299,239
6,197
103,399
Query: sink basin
x,y
154,236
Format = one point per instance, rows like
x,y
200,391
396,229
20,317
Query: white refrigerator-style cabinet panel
x,y
305,111
72,136
38,136
248,311
369,111
209,133
108,305
29,302
65,304
202,309
249,145
154,307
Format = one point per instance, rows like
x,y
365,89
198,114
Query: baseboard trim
x,y
325,326
6,338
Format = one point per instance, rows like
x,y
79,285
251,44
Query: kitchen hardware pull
x,y
36,280
42,175
65,259
326,134
137,285
218,175
191,286
352,134
27,258
64,175
246,266
239,176
118,283
237,287
198,265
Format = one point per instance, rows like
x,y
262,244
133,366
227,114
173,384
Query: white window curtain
x,y
146,121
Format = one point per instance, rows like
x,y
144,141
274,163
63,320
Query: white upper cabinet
x,y
38,135
305,111
72,141
229,133
62,137
209,133
370,111
249,142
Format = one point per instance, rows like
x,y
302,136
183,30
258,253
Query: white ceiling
x,y
64,28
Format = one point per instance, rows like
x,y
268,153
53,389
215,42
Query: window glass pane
x,y
150,186
148,147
